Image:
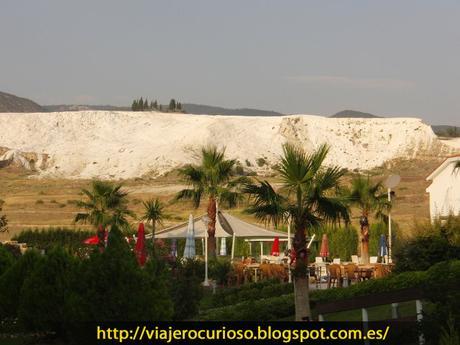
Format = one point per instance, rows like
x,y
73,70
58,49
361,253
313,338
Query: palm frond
x,y
266,205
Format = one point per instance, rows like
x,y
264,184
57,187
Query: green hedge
x,y
343,241
437,282
248,292
261,310
71,239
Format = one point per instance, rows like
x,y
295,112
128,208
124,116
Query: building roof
x,y
448,161
226,225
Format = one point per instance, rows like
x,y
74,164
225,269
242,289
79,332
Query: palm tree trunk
x,y
365,240
301,277
212,214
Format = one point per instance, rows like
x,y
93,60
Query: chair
x,y
336,261
351,273
355,259
334,276
238,274
373,259
320,272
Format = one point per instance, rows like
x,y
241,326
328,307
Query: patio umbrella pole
x,y
389,228
233,246
289,251
206,281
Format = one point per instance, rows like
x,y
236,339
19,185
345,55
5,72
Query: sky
x,y
390,58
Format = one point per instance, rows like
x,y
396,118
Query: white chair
x,y
319,260
373,259
336,261
355,259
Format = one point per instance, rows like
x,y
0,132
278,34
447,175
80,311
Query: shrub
x,y
239,170
186,288
252,291
39,202
219,269
261,161
44,294
6,259
261,310
423,252
112,287
51,237
12,280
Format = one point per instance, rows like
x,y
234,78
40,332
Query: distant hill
x,y
354,113
211,110
14,104
81,107
446,131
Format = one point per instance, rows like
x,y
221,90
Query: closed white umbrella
x,y
189,251
223,246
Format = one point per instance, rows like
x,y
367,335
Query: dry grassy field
x,y
32,202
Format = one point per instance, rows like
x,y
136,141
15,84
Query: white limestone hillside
x,y
104,144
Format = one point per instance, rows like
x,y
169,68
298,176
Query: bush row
x,y
248,292
46,239
439,284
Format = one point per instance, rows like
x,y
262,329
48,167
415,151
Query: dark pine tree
x,y
172,104
141,104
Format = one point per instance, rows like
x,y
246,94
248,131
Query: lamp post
x,y
206,221
391,182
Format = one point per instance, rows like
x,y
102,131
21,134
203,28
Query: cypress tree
x,y
155,105
172,104
141,104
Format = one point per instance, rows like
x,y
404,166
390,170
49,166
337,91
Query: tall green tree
x,y
310,196
134,105
370,198
214,178
154,213
141,104
106,204
155,105
3,220
172,104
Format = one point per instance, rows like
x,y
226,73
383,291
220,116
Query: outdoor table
x,y
254,267
363,271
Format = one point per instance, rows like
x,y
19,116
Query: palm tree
x,y
214,178
369,198
154,213
309,197
106,204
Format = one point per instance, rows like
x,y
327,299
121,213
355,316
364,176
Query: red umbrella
x,y
92,240
140,251
276,247
324,252
100,234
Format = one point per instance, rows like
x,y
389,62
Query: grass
x,y
32,202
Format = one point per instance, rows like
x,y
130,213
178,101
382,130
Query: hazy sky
x,y
318,57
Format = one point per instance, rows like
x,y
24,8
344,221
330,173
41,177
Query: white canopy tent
x,y
226,226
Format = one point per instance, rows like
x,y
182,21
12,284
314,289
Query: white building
x,y
445,189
